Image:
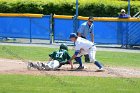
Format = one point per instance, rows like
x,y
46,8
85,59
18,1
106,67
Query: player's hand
x,y
71,67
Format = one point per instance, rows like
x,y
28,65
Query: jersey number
x,y
59,54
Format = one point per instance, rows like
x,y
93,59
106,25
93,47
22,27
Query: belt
x,y
91,46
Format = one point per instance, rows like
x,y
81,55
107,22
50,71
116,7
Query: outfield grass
x,y
41,54
71,84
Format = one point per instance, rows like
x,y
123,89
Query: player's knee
x,y
79,55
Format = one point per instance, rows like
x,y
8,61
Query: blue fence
x,y
106,32
15,27
133,33
62,28
40,28
25,27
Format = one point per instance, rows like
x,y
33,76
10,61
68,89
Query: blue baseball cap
x,y
72,35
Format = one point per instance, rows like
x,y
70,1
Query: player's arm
x,y
71,64
77,48
75,55
70,61
92,37
92,33
68,58
51,56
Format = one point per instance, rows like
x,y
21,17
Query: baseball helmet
x,y
72,35
63,46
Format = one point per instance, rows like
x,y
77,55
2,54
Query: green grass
x,y
65,84
41,54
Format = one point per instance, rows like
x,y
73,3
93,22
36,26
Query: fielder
x,y
83,47
57,59
84,30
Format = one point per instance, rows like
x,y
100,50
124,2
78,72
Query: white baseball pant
x,y
52,65
91,52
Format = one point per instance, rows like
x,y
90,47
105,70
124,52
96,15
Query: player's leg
x,y
92,54
79,60
87,58
33,65
63,63
29,65
51,65
55,64
45,66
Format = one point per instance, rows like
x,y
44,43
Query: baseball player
x,y
84,30
83,47
57,59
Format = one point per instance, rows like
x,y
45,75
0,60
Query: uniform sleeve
x,y
76,52
81,29
52,55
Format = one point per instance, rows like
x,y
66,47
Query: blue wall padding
x,y
15,27
106,32
62,28
24,27
40,28
133,33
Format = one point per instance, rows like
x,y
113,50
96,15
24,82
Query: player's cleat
x,y
100,70
43,66
29,65
80,67
39,66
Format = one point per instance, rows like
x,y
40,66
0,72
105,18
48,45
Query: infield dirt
x,y
9,66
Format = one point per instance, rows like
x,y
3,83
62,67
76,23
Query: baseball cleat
x,y
80,67
29,65
43,66
39,66
100,70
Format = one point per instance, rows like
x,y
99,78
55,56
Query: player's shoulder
x,y
54,52
84,24
78,41
63,50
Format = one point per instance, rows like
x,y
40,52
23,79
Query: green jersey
x,y
61,55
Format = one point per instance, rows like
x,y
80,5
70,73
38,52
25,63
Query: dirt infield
x,y
8,66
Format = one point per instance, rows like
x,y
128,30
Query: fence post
x,y
30,30
51,29
129,7
75,19
76,7
127,31
75,24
